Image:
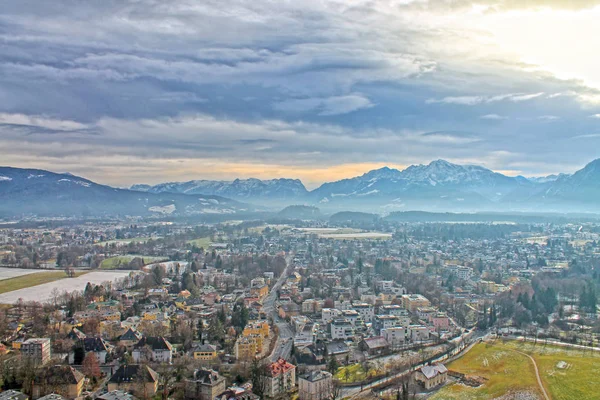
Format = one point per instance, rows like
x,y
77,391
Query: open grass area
x,y
116,262
26,281
504,372
351,373
566,373
201,242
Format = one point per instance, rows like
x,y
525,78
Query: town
x,y
253,310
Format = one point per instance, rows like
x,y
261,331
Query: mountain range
x,y
437,186
28,192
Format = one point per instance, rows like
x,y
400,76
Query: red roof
x,y
280,366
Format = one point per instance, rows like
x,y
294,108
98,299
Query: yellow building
x,y
205,352
245,348
256,328
259,291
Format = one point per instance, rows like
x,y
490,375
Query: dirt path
x,y
537,372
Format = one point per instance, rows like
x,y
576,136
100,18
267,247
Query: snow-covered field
x,y
7,273
43,292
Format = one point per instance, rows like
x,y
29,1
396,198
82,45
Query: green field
x,y
204,242
351,373
25,281
115,262
565,373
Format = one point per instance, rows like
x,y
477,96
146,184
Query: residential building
x,y
281,378
37,350
155,349
315,385
141,380
205,352
341,329
431,376
60,379
413,301
205,384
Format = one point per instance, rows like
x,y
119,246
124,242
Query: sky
x,y
149,91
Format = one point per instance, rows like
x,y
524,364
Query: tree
x,y
257,377
90,366
333,365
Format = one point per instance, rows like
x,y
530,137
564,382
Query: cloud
x,y
310,84
597,116
476,100
335,105
493,117
38,121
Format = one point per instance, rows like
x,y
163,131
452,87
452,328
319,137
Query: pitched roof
x,y
280,366
13,395
131,373
76,334
207,376
52,396
431,371
94,344
376,342
155,343
131,334
315,376
116,395
59,375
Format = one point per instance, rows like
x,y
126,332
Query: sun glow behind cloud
x,y
563,42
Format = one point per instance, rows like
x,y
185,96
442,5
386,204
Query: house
x,y
60,379
413,301
99,347
237,393
418,333
37,350
141,380
13,395
130,338
374,346
245,348
116,395
395,336
204,352
315,385
341,329
156,349
281,378
338,349
431,376
76,335
52,396
205,384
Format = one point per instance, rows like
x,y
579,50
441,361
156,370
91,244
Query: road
x,y
285,340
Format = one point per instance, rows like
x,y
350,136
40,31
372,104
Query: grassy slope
x,y
508,371
25,281
505,370
112,263
578,381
